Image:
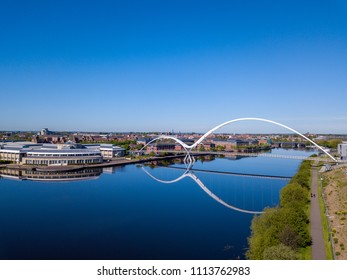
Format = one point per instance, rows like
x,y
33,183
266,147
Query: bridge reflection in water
x,y
191,173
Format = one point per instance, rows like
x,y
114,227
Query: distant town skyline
x,y
184,65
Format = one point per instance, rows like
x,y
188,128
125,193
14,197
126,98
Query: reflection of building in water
x,y
111,169
68,153
233,157
33,175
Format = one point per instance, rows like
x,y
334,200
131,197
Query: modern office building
x,y
62,157
68,153
15,151
108,151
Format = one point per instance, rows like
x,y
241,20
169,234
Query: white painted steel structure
x,y
190,174
188,148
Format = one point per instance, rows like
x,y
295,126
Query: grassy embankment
x,y
283,232
335,193
325,222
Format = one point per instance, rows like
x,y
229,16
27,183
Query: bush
x,y
280,252
262,234
303,176
293,195
286,226
289,237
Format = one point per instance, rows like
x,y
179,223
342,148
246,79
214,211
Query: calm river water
x,y
123,213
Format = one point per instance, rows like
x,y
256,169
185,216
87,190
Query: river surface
x,y
124,213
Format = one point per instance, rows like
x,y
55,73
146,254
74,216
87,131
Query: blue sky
x,y
173,65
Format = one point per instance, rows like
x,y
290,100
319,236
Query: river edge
x,y
283,232
115,162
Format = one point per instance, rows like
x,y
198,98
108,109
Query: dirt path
x,y
318,249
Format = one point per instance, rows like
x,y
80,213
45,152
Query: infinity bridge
x,y
190,160
236,154
188,148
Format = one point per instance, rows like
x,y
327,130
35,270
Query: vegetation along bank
x,y
282,233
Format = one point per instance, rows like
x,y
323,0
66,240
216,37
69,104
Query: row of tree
x,y
282,232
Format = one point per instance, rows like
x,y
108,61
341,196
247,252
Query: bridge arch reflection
x,y
190,174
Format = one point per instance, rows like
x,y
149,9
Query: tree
x,y
280,232
289,237
263,233
293,195
280,252
201,148
220,148
276,225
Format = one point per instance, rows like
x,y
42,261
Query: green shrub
x,y
287,226
280,252
293,195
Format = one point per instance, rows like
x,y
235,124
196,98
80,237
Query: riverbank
x,y
110,163
283,233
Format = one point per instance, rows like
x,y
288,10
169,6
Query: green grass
x,y
324,218
305,253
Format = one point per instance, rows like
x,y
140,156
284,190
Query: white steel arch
x,y
263,120
188,148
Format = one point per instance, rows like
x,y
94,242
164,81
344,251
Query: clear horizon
x,y
174,132
160,66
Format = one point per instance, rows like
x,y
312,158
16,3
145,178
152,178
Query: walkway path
x,y
318,249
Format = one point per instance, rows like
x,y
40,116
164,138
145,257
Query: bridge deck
x,y
234,173
270,155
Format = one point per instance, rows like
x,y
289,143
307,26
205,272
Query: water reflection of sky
x,y
128,215
258,165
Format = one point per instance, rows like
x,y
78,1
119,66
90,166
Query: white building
x,y
342,151
15,151
69,153
108,151
44,131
